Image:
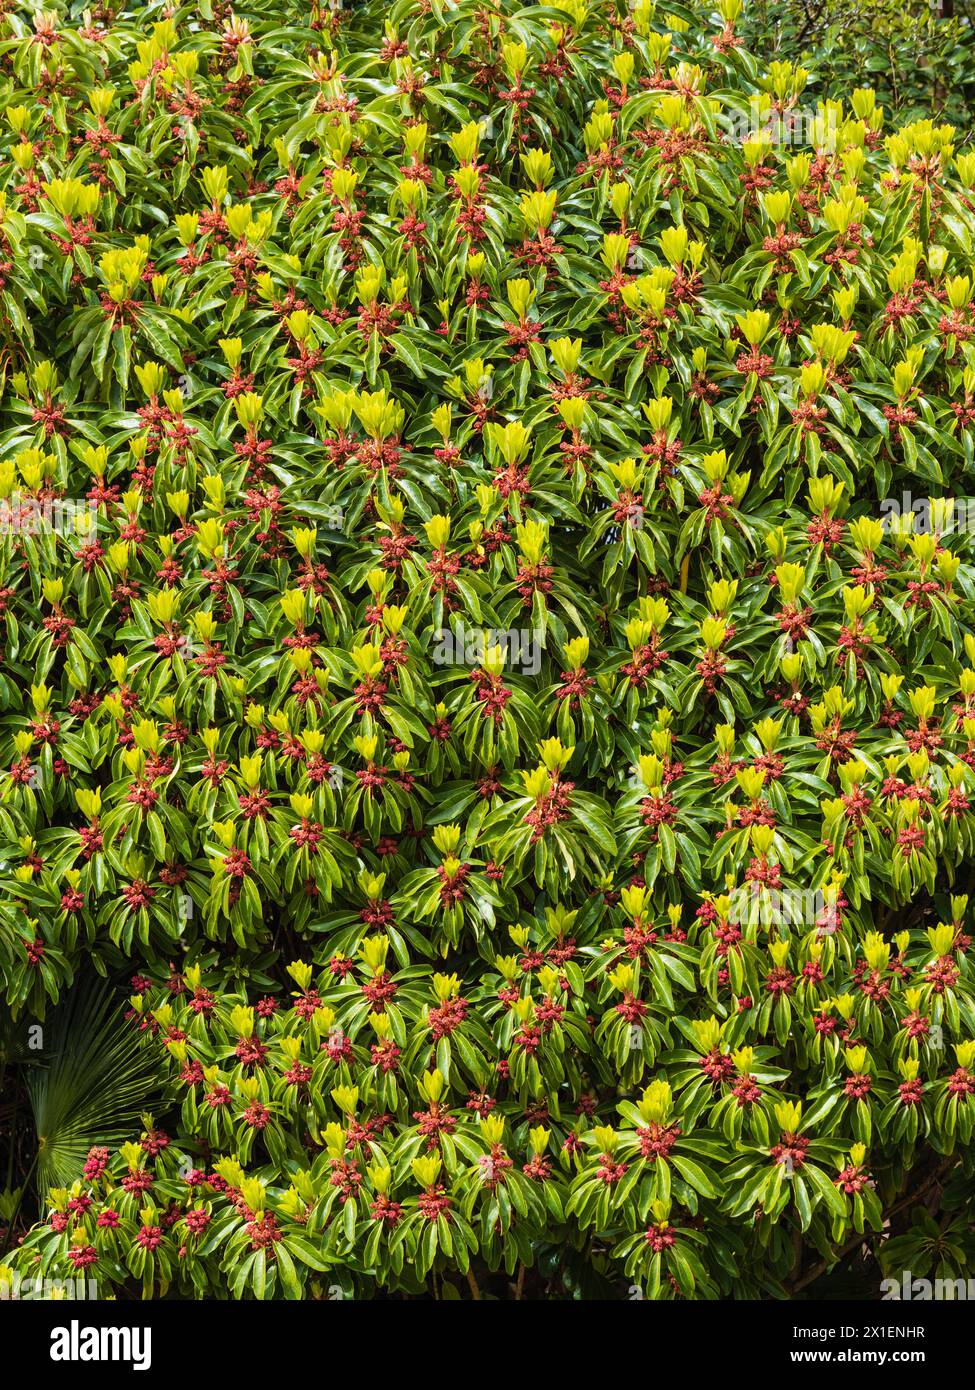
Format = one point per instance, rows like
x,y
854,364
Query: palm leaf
x,y
91,1085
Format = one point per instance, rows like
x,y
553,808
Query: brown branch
x,y
910,1199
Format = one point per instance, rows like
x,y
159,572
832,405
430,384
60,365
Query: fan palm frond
x,y
92,1083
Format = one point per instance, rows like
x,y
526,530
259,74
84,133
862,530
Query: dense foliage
x,y
482,673
920,56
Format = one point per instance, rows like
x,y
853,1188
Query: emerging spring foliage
x,y
627,941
